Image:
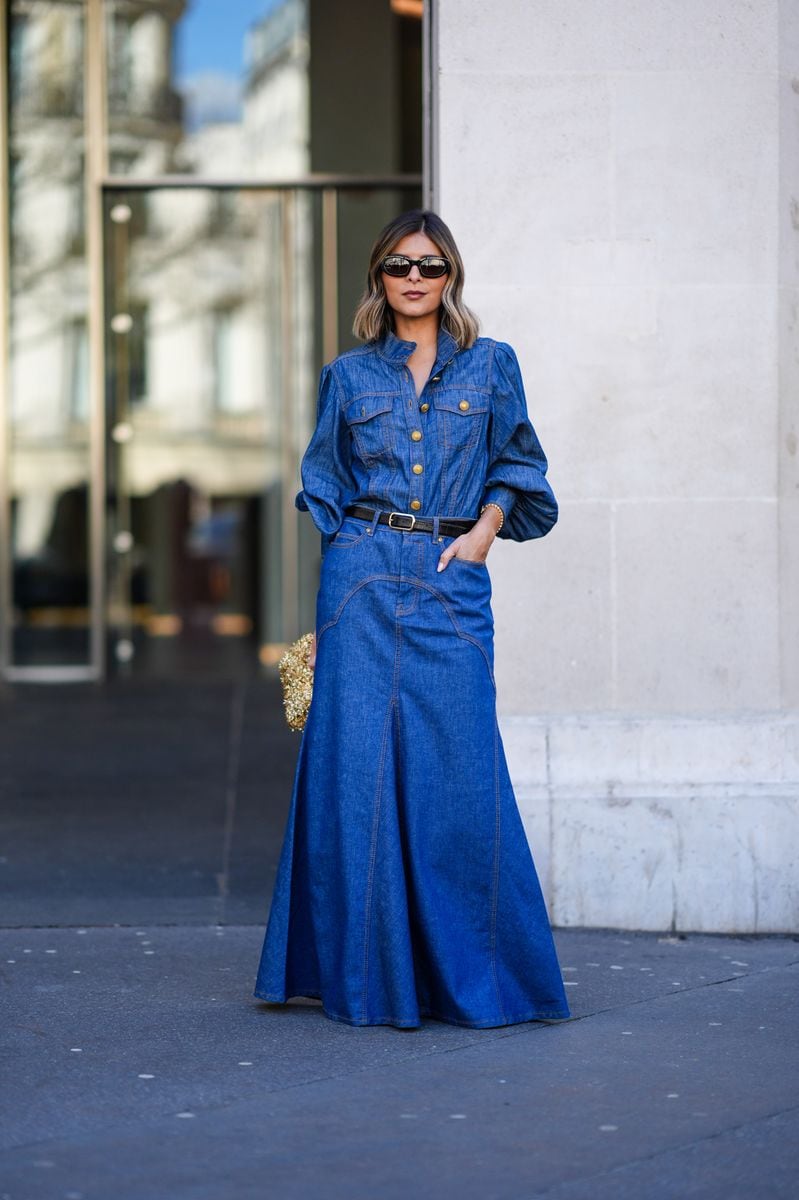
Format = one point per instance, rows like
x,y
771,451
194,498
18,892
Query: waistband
x,y
406,522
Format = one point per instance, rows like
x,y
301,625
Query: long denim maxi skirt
x,y
406,887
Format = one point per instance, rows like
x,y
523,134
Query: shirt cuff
x,y
299,501
505,497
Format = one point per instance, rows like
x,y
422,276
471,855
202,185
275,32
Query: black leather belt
x,y
405,522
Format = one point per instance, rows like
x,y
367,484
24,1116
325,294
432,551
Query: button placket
x,y
417,435
414,503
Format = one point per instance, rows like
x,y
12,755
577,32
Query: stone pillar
x,y
623,179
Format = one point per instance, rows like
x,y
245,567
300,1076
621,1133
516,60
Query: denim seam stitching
x,y
353,542
354,352
449,446
418,583
465,462
376,824
491,360
481,389
495,880
373,859
372,392
372,461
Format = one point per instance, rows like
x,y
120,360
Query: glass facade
x,y
47,410
209,88
169,301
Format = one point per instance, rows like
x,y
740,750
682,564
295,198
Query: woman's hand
x,y
474,545
312,652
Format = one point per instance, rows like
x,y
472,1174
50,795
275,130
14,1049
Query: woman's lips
x,y
413,295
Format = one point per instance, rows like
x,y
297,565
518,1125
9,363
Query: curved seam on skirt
x,y
495,880
466,637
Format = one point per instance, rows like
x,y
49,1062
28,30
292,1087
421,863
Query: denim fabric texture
x,y
406,887
477,443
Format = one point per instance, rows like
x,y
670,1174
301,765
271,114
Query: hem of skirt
x,y
413,1022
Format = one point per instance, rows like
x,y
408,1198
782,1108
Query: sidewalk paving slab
x,y
678,1070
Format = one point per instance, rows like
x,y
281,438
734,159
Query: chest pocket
x,y
461,419
371,422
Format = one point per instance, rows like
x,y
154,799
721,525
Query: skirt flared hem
x,y
406,886
413,1022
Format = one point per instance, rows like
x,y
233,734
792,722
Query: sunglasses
x,y
430,267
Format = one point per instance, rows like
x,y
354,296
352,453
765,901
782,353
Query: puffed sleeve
x,y
516,476
327,482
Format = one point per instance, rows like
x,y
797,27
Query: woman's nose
x,y
414,274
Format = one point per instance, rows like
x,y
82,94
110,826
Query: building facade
x,y
623,177
187,226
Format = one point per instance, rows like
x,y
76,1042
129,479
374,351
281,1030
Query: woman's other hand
x,y
475,544
312,652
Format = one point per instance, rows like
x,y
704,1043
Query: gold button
x,y
416,435
463,405
424,407
416,504
417,468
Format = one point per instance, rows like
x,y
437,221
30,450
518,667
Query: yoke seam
x,y
418,583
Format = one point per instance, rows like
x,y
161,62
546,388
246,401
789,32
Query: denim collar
x,y
397,351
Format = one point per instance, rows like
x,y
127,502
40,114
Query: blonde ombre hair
x,y
374,315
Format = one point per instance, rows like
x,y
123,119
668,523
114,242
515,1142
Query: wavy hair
x,y
374,315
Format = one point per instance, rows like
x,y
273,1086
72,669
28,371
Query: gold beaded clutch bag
x,y
296,678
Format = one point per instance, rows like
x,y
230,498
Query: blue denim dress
x,y
406,887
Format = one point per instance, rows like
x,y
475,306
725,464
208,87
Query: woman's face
x,y
414,296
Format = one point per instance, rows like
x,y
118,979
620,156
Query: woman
x,y
406,887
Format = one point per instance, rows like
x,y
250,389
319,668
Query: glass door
x,y
208,291
221,304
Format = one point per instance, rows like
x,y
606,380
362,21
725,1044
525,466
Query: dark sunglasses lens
x,y
433,268
396,264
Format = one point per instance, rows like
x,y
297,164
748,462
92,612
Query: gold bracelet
x,y
491,504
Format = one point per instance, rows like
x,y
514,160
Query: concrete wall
x,y
623,179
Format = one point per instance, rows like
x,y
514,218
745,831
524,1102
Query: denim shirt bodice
x,y
465,440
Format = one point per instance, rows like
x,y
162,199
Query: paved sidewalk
x,y
137,1065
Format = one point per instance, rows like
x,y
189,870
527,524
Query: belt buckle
x,y
406,528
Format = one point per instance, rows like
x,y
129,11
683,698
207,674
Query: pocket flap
x,y
363,408
477,402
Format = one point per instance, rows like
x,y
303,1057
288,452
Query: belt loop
x,y
435,528
374,521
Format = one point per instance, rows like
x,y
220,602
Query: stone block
x,y
538,149
725,863
696,606
525,742
608,35
788,36
696,160
534,807
551,603
623,753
